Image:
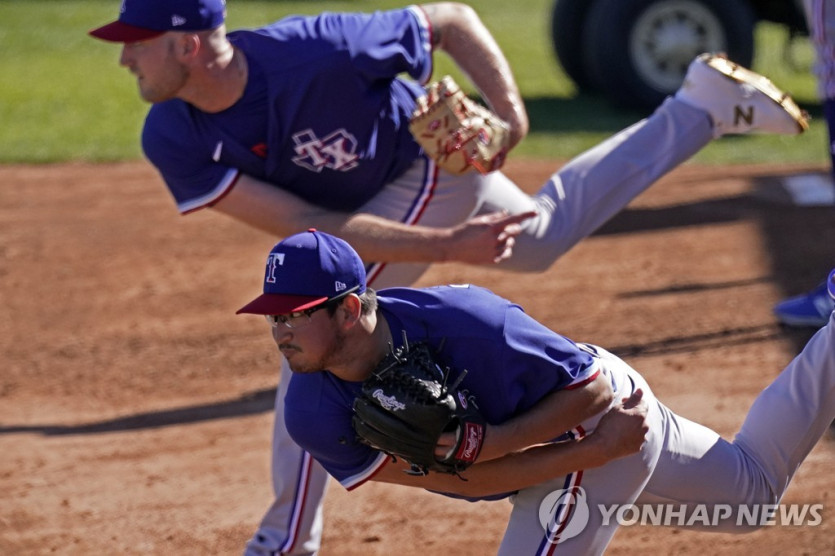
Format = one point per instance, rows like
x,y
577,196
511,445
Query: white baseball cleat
x,y
738,99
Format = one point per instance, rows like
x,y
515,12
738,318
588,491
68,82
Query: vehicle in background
x,y
636,52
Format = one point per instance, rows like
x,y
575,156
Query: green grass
x,y
64,96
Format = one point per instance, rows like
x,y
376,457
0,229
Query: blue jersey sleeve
x,y
379,46
384,44
317,412
183,157
536,361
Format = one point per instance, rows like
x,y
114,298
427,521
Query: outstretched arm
x,y
484,239
458,31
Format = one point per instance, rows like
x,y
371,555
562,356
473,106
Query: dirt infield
x,y
135,407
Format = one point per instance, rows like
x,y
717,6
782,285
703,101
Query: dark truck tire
x,y
636,52
567,21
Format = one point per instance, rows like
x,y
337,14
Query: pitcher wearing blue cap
x,y
565,420
304,123
289,289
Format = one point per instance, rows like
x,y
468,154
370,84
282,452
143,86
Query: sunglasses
x,y
297,319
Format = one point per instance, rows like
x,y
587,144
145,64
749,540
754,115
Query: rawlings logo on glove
x,y
406,405
470,449
388,403
458,133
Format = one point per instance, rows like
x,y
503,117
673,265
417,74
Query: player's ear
x,y
189,45
350,310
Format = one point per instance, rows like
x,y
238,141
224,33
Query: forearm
x,y
621,432
458,31
376,239
558,412
510,473
282,214
379,239
483,239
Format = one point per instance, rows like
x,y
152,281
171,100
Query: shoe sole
x,y
801,322
739,74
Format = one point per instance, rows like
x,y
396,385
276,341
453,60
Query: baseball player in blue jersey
x,y
304,122
531,385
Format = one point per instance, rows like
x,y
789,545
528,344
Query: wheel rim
x,y
667,36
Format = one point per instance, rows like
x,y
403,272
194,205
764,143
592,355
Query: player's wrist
x,y
597,450
494,447
518,125
442,244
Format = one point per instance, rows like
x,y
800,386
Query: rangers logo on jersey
x,y
337,151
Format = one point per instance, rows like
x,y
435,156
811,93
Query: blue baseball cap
x,y
305,270
140,20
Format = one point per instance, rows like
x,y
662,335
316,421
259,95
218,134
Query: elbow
x,y
607,397
602,394
521,127
462,12
447,18
453,12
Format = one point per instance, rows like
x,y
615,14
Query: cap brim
x,y
122,32
277,304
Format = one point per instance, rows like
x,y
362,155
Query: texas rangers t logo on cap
x,y
273,261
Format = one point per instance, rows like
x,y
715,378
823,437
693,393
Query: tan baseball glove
x,y
458,133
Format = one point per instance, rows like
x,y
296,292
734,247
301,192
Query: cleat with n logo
x,y
743,115
739,100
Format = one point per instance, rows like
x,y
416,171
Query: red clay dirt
x,y
135,406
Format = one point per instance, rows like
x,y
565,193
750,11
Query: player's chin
x,y
296,362
151,94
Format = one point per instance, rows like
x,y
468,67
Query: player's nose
x,y
124,57
281,333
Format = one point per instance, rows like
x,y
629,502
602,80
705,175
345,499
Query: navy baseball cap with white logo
x,y
140,20
305,270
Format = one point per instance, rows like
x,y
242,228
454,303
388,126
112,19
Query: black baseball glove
x,y
405,406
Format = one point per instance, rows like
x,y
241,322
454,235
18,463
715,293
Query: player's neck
x,y
364,347
219,83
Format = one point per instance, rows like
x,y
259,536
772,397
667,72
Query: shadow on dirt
x,y
251,403
799,239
